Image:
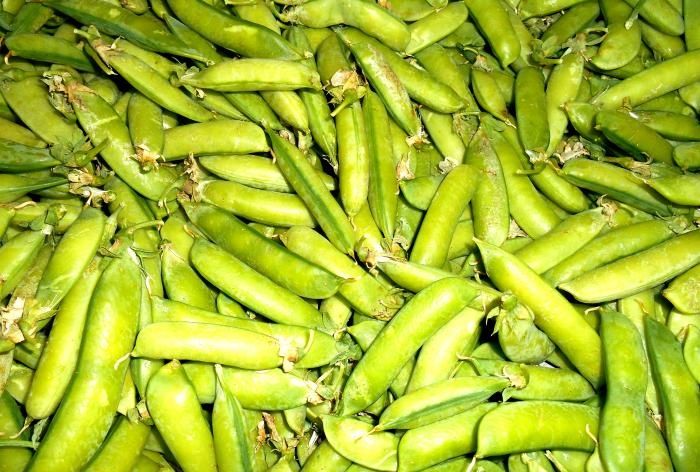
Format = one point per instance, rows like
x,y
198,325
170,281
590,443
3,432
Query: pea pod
x,y
95,389
17,255
46,48
432,28
268,389
530,110
354,439
325,459
122,447
493,21
678,189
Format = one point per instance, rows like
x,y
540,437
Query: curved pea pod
x,y
325,459
657,80
11,420
683,291
488,95
435,305
562,86
679,394
224,344
251,288
268,389
623,413
224,136
68,262
687,155
262,206
519,338
616,182
637,272
509,273
419,191
661,14
442,132
446,439
439,357
633,137
95,389
172,403
102,123
370,18
536,425
435,26
122,447
145,122
46,48
233,451
607,247
492,19
620,44
261,253
355,440
437,60
310,188
254,75
679,189
17,255
438,401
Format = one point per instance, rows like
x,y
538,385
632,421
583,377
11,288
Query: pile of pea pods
x,y
350,235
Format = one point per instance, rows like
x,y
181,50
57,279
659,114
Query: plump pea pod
x,y
289,107
536,425
262,206
382,195
102,123
313,348
453,195
612,245
172,403
637,272
14,133
228,424
46,48
683,291
235,34
262,254
68,262
268,389
572,21
562,86
17,255
633,136
325,459
661,14
670,125
656,455
664,46
354,439
145,122
14,186
616,182
679,394
203,379
530,109
60,355
437,61
492,20
122,446
410,10
442,132
519,338
622,418
488,94
224,136
509,273
419,191
225,344
439,401
435,305
438,358
527,207
679,189
314,194
254,75
366,16
251,288
11,420
563,240
687,156
362,290
446,439
691,350
28,98
86,411
652,82
434,27
353,158
378,71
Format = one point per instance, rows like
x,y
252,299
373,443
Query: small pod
x,y
684,291
355,440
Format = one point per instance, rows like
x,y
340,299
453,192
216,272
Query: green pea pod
x,y
13,133
172,403
637,272
228,423
679,394
250,350
224,136
682,292
524,426
325,459
656,456
680,189
353,158
205,49
121,448
437,60
434,27
17,255
289,107
438,401
262,254
251,288
59,357
86,411
634,137
70,258
254,75
268,389
11,420
435,305
661,14
354,439
46,48
434,443
691,350
444,135
313,193
626,381
492,19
